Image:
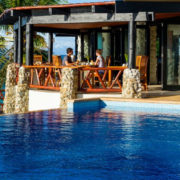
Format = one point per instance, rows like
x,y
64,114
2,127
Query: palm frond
x,y
39,42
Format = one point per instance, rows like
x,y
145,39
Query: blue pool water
x,y
102,144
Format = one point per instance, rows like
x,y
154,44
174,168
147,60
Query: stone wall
x,y
153,55
10,91
16,97
131,84
69,86
22,92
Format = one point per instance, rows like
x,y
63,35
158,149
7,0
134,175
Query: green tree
x,y
6,54
7,4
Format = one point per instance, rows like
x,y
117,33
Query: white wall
x,y
43,100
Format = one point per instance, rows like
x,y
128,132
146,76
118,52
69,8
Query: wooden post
x,y
50,47
76,47
29,45
20,42
122,46
112,48
93,44
132,43
15,46
164,55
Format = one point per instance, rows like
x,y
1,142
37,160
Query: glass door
x,y
173,55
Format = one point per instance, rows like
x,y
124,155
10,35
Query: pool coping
x,y
161,106
124,100
108,99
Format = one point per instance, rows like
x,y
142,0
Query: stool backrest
x,y
37,59
108,61
143,65
57,61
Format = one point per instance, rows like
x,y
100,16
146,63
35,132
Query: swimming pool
x,y
92,145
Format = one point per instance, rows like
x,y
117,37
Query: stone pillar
x,y
153,55
131,84
86,47
140,42
106,37
79,48
10,90
69,86
22,92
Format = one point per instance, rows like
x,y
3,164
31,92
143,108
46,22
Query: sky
x,y
82,1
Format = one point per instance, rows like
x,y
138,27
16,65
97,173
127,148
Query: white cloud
x,y
62,43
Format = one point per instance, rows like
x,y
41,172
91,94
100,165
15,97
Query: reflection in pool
x,y
103,144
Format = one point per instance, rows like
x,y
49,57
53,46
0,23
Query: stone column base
x,y
131,84
10,89
69,85
22,92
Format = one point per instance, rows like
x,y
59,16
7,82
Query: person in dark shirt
x,y
67,61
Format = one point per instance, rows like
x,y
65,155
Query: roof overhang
x,y
150,0
101,12
10,16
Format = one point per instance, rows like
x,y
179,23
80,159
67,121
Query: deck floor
x,y
167,98
163,100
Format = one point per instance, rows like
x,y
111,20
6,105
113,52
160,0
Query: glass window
x,y
99,41
173,55
104,43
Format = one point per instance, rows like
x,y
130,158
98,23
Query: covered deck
x,y
122,29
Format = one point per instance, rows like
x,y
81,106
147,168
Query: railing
x,y
91,79
2,91
101,79
45,77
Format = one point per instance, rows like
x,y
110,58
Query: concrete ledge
x,y
81,104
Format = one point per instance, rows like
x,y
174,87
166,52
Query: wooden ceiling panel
x,y
80,26
166,15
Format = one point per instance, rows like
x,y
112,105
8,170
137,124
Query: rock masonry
x,y
16,97
69,86
131,84
10,91
22,92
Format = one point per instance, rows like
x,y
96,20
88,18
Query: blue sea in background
x,y
92,145
62,56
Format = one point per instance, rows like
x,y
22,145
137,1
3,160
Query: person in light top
x,y
100,60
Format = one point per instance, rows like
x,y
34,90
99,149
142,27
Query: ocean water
x,y
91,145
